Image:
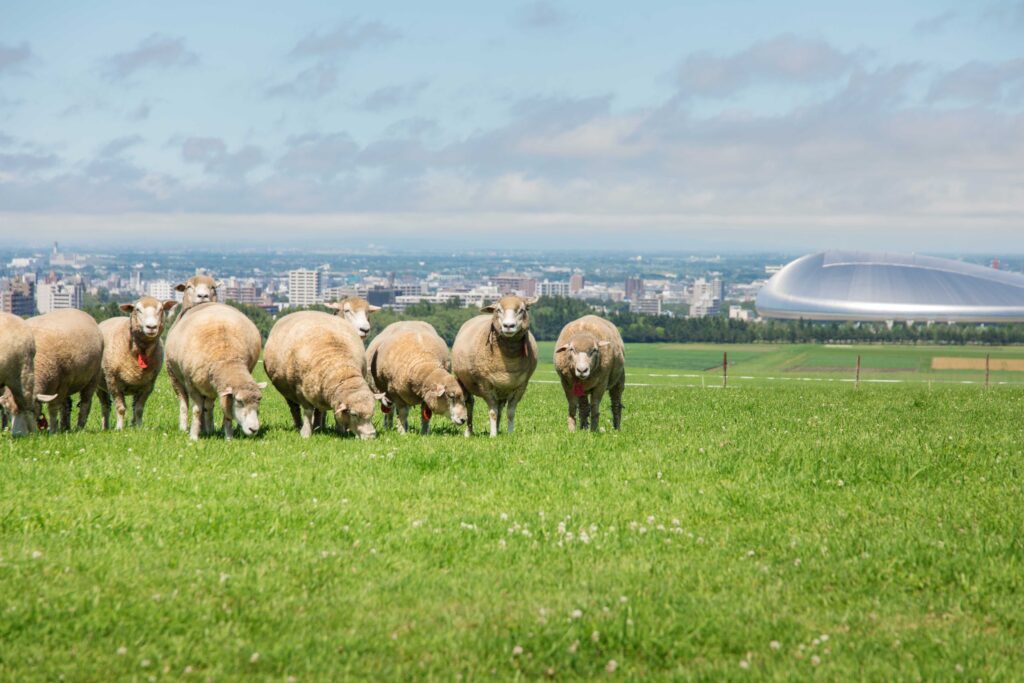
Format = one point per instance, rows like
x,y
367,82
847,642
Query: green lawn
x,y
774,531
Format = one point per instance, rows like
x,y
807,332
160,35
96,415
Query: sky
x,y
733,126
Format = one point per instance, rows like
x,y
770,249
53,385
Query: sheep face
x,y
357,416
356,311
511,315
584,354
199,289
244,406
147,316
448,399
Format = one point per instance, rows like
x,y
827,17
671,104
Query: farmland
x,y
777,529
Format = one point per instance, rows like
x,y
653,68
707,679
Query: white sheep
x,y
198,289
409,363
356,310
590,359
69,356
316,360
494,356
211,353
17,375
132,356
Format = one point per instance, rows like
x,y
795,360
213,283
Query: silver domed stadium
x,y
864,286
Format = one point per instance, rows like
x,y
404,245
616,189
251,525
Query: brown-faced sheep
x,y
132,356
17,375
494,356
316,360
408,361
69,356
590,359
356,310
211,353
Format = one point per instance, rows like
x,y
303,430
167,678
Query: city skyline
x,y
725,126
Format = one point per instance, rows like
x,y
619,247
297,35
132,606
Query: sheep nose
x,y
508,327
583,372
149,329
363,331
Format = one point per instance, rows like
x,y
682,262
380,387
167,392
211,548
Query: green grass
x,y
886,519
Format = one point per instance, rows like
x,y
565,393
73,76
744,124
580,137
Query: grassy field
x,y
773,531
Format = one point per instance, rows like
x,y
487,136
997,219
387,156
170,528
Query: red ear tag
x,y
578,390
143,363
385,409
42,422
426,412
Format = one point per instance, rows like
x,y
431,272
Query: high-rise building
x,y
243,292
161,289
576,283
58,295
548,288
512,283
648,305
18,297
305,287
634,288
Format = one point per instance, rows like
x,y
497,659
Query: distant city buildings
x,y
648,305
576,283
548,288
634,288
740,313
162,290
55,295
306,287
511,283
18,297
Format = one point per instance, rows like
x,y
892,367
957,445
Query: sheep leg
x,y
139,405
54,409
510,411
595,407
104,398
584,411
424,424
308,415
494,412
319,420
85,401
228,426
403,418
470,400
574,406
389,419
179,391
65,415
208,425
197,418
120,407
296,412
616,396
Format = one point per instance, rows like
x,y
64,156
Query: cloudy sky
x,y
638,125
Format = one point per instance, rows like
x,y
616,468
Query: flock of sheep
x,y
315,360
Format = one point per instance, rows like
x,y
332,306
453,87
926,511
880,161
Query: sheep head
x,y
584,351
356,310
511,315
147,316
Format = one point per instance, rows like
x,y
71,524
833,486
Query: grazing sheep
x,y
356,310
589,360
211,353
409,363
69,356
316,360
494,356
132,356
198,289
17,375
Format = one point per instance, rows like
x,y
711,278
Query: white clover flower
x,y
611,666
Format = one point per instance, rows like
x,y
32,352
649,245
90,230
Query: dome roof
x,y
850,285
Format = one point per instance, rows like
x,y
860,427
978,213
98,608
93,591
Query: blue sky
x,y
678,125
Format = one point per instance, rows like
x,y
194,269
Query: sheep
x,y
69,357
198,289
17,375
132,356
494,356
590,359
409,363
211,353
356,310
316,360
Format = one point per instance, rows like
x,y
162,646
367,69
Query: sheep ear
x,y
530,302
227,392
45,398
603,343
380,397
343,407
333,305
489,309
439,390
561,348
218,284
127,308
169,304
261,385
372,309
180,287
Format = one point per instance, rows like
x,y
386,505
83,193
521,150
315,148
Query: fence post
x,y
987,356
856,384
725,369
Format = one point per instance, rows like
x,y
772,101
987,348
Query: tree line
x,y
550,314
